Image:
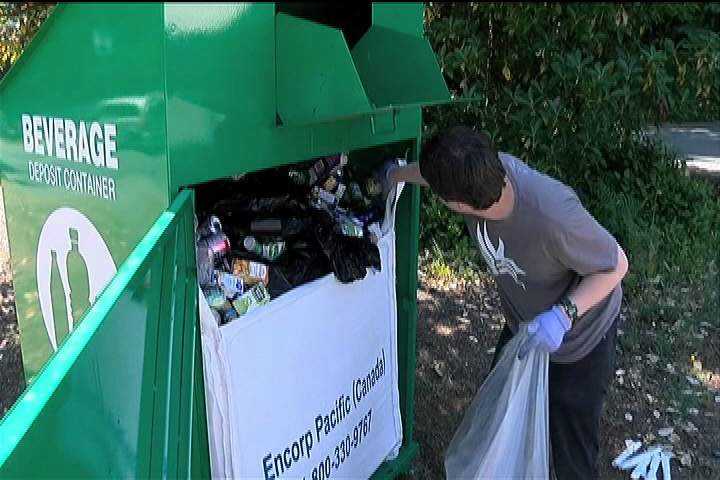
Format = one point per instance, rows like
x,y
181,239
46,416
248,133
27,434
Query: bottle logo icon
x,y
69,239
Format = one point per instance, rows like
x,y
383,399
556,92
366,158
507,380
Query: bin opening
x,y
262,234
353,19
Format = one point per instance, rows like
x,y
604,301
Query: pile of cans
x,y
235,275
232,286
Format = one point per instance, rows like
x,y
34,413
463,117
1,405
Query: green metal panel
x,y
407,238
405,17
200,453
236,152
222,121
220,106
196,91
109,403
88,63
399,69
326,76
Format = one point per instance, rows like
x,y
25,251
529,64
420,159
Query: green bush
x,y
570,88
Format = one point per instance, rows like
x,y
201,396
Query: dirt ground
x,y
458,325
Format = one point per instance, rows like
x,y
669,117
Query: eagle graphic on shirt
x,y
495,257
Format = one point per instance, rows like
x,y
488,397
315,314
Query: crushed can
x,y
255,297
251,272
218,243
231,284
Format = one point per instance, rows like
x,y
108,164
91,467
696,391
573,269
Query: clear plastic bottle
x,y
205,264
210,226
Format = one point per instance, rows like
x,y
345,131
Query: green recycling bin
x,y
112,123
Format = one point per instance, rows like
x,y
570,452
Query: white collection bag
x,y
307,386
504,433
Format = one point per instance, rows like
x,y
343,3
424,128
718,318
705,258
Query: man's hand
x,y
384,177
392,173
547,331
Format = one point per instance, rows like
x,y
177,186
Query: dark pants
x,y
577,394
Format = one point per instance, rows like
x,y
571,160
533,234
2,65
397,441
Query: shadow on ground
x,y
458,326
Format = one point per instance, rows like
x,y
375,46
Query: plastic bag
x,y
504,433
350,257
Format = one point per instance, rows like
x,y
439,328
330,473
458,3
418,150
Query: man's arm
x,y
549,328
408,174
595,287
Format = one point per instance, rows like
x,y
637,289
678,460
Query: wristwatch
x,y
570,308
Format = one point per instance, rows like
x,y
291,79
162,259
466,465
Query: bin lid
x,y
319,79
399,69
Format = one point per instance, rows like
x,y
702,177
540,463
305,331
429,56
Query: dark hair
x,y
462,165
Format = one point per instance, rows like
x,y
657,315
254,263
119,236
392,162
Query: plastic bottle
x,y
210,226
269,251
205,264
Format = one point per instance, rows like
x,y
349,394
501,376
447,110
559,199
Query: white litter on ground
x,y
644,464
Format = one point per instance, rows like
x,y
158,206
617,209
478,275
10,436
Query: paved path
x,y
699,143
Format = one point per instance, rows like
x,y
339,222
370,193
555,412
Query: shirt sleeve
x,y
581,243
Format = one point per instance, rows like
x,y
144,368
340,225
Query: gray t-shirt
x,y
541,252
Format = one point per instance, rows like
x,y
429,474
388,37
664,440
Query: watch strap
x,y
570,308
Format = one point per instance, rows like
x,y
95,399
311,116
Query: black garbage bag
x,y
349,256
265,218
270,229
370,253
303,262
245,208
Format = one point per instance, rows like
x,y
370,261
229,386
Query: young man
x,y
554,267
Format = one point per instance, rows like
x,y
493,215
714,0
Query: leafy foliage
x,y
571,88
18,23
